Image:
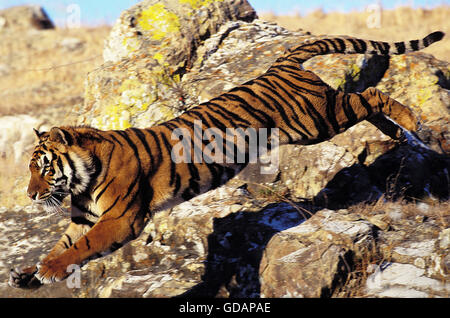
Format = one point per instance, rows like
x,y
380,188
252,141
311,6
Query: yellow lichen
x,y
176,78
113,118
159,57
131,44
134,98
355,72
159,21
196,4
424,95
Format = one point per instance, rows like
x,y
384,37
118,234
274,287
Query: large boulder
x,y
150,47
422,82
311,259
171,29
16,141
128,94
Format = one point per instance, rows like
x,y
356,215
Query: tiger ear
x,y
38,134
60,136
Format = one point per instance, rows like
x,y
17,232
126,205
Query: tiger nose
x,y
32,195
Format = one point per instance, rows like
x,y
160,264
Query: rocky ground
x,y
304,231
229,243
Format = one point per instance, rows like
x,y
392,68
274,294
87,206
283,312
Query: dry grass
x,y
401,24
13,182
38,70
46,68
418,211
392,215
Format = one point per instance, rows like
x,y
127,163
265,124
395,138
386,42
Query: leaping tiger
x,y
118,179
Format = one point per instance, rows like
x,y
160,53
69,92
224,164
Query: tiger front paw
x,y
24,278
51,271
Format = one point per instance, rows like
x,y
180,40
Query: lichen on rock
x,y
152,44
158,21
24,18
421,82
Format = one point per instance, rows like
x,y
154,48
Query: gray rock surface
x,y
228,243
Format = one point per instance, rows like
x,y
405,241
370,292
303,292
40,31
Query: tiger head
x,y
59,167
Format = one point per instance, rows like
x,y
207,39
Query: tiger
x,y
118,179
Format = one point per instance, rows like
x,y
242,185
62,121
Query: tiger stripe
x,y
118,179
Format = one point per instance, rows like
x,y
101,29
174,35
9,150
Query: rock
x,y
422,245
150,48
404,281
311,259
15,141
196,249
172,29
4,69
253,248
423,83
325,256
444,239
349,73
71,44
237,53
29,17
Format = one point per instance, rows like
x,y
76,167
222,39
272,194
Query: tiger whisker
x,y
53,205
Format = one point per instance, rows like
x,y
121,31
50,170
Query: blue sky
x,y
94,12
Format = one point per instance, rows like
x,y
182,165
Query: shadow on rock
x,y
403,172
236,246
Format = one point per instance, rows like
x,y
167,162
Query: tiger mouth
x,y
53,201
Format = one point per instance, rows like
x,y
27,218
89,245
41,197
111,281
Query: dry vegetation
x,y
47,68
401,24
40,70
388,215
13,183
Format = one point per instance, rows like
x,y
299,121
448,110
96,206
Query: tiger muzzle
x,y
32,195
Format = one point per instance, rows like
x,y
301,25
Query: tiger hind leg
x,y
395,131
383,104
388,115
393,118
